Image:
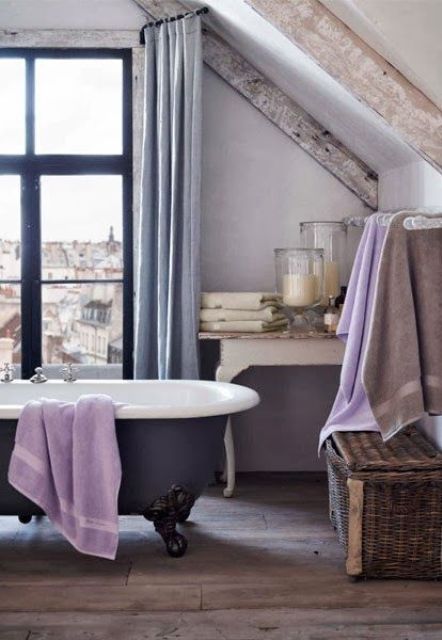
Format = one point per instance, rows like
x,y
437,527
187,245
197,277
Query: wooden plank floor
x,y
263,565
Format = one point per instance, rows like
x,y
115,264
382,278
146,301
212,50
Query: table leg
x,y
227,374
229,473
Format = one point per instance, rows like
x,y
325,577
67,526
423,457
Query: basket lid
x,y
406,451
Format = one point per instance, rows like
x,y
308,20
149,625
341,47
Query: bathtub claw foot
x,y
24,518
166,512
176,545
184,503
183,515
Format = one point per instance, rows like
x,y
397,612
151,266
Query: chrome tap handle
x,y
38,377
69,373
8,371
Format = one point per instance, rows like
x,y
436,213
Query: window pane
x,y
12,106
78,106
83,324
10,227
10,324
81,223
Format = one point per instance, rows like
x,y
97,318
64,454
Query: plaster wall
x,y
414,185
257,187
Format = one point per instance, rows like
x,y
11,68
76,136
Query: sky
x,y
78,110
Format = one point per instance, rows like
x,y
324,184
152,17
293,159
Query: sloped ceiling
x,y
313,89
264,47
407,33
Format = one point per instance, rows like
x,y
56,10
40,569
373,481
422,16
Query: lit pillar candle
x,y
299,290
331,280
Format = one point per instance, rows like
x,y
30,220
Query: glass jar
x,y
331,237
299,279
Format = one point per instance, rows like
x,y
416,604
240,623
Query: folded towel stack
x,y
249,312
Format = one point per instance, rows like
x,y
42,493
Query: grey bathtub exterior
x,y
166,464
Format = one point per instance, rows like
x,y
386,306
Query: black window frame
x,y
30,167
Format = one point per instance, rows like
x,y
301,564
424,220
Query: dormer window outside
x,y
66,205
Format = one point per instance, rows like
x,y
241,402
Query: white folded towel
x,y
268,314
239,300
243,326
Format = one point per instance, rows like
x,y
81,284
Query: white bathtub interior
x,y
137,399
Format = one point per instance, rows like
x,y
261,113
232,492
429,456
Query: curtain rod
x,y
180,16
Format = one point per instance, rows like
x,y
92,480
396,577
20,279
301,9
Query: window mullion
x,y
30,105
30,236
128,301
31,261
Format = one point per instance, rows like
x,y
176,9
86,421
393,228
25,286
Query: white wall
x,y
414,185
257,186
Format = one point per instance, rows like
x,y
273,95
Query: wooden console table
x,y
239,351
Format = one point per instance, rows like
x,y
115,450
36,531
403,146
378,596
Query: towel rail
x,y
359,221
413,222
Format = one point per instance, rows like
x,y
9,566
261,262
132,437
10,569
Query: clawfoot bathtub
x,y
170,436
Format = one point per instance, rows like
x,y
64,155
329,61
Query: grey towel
x,y
402,371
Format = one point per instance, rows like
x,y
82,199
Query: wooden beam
x,y
281,110
65,38
363,72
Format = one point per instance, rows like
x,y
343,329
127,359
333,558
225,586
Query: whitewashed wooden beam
x,y
281,110
362,71
65,38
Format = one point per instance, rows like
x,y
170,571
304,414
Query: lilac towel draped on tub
x,y
66,460
351,410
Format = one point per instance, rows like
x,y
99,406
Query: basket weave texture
x,y
386,503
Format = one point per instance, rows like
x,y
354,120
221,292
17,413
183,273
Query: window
x,y
66,207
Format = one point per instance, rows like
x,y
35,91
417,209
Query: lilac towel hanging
x,y
351,410
66,460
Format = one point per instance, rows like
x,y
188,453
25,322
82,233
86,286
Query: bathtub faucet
x,y
69,373
38,377
7,373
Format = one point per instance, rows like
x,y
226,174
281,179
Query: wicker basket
x,y
386,503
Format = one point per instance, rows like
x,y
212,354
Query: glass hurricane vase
x,y
299,279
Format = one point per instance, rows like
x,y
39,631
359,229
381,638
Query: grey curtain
x,y
168,279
